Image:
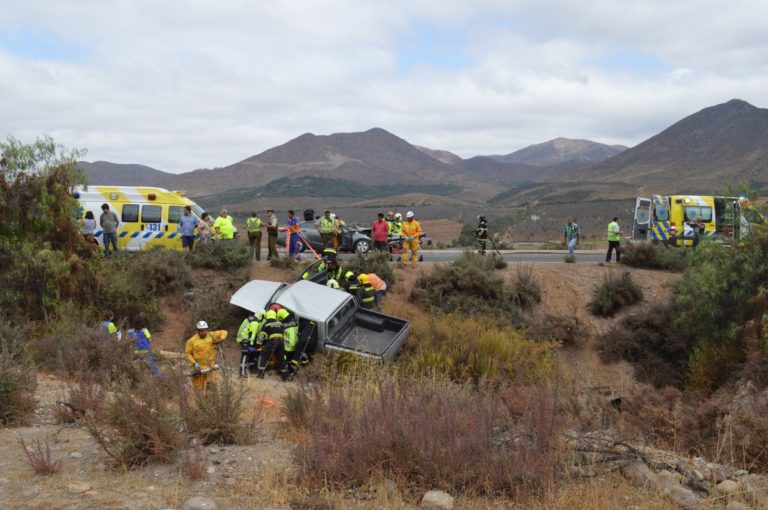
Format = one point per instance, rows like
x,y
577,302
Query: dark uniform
x,y
367,296
273,340
481,232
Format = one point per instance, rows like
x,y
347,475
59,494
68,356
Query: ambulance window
x,y
696,211
130,213
174,213
661,212
151,214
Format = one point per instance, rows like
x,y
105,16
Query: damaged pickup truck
x,y
328,319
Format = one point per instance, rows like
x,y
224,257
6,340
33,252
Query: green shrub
x,y
525,288
653,256
376,262
569,259
711,364
18,380
165,271
468,285
614,293
221,255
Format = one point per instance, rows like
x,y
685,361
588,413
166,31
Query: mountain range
x,y
701,152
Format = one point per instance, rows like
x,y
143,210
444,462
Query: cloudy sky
x,y
179,85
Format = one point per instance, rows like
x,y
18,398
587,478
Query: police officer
x,y
253,225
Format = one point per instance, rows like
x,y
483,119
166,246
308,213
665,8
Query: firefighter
x,y
366,294
249,345
481,233
291,336
411,230
272,343
200,351
242,331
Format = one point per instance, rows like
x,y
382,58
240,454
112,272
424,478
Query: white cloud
x,y
183,85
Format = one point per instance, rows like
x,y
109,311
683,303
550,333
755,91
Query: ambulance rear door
x,y
641,223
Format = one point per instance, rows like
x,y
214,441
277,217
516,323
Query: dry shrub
x,y
467,348
220,255
614,293
40,457
140,426
725,428
18,379
212,304
192,465
526,290
567,330
648,340
422,433
652,256
283,263
82,398
468,285
216,416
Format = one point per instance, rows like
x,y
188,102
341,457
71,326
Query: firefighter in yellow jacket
x,y
411,232
200,351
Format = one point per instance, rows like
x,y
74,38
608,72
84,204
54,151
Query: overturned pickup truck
x,y
328,319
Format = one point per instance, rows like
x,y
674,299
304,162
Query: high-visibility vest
x,y
367,297
395,227
291,338
326,225
273,330
253,224
612,236
377,283
252,331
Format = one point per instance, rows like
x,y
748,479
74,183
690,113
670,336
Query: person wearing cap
x,y
253,225
411,231
272,228
380,233
200,351
366,294
325,225
272,338
223,226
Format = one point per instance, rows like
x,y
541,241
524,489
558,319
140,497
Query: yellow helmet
x,y
363,278
282,314
270,315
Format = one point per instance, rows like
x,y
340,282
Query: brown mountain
x,y
117,174
702,152
561,151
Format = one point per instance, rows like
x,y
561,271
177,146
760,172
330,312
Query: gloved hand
x,y
196,366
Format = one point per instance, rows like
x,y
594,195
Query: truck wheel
x,y
362,246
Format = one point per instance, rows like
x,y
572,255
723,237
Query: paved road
x,y
512,256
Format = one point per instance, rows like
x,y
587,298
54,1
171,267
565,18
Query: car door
x,y
129,237
641,223
152,224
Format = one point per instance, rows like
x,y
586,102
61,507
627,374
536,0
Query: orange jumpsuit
x,y
203,351
411,229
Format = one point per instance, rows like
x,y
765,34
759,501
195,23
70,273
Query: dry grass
x,y
40,457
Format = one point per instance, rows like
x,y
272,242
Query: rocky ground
x,y
264,474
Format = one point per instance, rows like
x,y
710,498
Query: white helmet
x,y
398,216
202,325
409,214
332,284
333,216
260,315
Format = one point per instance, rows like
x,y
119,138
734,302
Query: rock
x,y
736,505
721,473
437,499
198,503
76,455
682,496
755,488
666,478
78,488
727,487
640,475
740,472
210,470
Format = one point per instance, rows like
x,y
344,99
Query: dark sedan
x,y
352,238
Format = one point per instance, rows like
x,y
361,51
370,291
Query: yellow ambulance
x,y
148,216
667,219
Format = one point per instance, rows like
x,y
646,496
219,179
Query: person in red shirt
x,y
380,233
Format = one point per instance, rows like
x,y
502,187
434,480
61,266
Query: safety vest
x,y
273,330
327,225
335,274
612,236
367,297
141,340
225,226
395,227
253,224
109,330
241,331
252,332
291,338
377,283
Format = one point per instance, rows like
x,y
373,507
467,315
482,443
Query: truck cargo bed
x,y
370,334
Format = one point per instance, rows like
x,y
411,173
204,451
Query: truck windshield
x,y
698,211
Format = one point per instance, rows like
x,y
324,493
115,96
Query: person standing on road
x,y
411,231
272,235
200,351
294,237
614,239
481,232
338,229
253,226
187,225
326,226
572,234
109,223
380,233
224,226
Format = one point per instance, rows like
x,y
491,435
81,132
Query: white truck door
x,y
641,223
